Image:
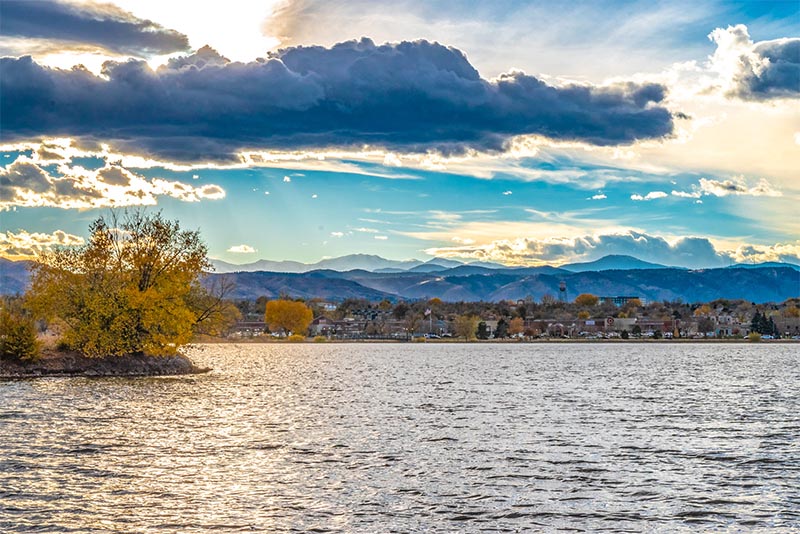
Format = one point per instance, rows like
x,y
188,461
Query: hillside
x,y
13,276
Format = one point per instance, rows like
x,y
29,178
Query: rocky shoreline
x,y
58,363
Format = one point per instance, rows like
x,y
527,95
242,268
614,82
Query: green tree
x,y
133,288
482,331
17,335
502,329
288,316
755,323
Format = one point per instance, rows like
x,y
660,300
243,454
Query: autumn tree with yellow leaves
x,y
288,316
587,299
133,288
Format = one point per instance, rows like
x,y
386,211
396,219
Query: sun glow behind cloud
x,y
234,27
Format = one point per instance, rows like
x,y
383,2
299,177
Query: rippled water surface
x,y
414,438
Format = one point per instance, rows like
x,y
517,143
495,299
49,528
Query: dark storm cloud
x,y
410,96
779,75
101,25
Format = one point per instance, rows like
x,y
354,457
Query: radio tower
x,y
562,291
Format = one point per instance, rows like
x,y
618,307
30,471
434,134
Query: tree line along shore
x,y
134,294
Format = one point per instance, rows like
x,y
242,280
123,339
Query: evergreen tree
x,y
773,329
502,329
755,323
483,331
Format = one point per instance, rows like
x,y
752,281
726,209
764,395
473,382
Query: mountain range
x,y
366,262
455,281
468,283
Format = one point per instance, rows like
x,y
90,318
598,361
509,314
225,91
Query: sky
x,y
510,131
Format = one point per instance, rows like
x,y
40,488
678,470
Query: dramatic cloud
x,y
101,25
27,183
652,195
242,249
693,252
408,97
756,71
24,245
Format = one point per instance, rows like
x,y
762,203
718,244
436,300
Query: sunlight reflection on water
x,y
378,438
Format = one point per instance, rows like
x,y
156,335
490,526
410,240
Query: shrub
x,y
296,338
755,337
420,339
17,337
320,339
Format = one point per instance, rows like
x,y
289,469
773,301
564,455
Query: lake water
x,y
414,438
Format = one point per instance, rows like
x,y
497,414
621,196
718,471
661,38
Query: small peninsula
x,y
121,305
72,363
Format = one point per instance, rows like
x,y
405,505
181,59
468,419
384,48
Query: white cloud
x,y
314,195
287,179
242,249
782,252
26,183
337,234
391,160
652,195
381,237
25,245
737,186
508,193
599,196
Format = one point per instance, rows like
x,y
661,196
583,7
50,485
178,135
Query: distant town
x,y
586,317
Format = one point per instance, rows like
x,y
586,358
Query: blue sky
x,y
506,131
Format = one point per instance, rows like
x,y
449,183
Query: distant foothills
x,y
370,277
